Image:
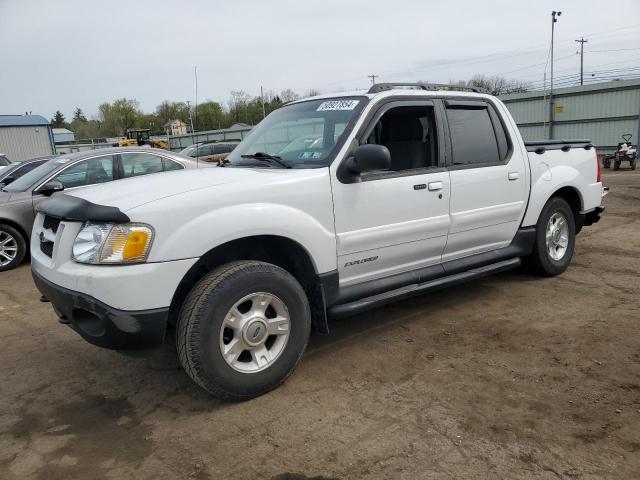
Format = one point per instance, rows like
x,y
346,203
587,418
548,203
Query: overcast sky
x,y
66,53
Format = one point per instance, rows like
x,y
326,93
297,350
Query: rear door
x,y
488,179
395,221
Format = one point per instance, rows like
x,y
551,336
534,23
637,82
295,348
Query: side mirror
x,y
51,187
369,157
7,180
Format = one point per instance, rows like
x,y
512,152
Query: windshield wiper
x,y
267,157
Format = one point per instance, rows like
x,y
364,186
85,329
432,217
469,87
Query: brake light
x,y
598,175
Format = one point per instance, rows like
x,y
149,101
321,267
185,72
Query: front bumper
x,y
101,324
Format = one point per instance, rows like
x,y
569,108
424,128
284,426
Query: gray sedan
x,y
18,200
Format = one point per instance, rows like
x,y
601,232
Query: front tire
x,y
555,239
243,329
13,248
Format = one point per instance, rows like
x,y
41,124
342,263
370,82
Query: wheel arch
x,y
569,193
278,250
18,227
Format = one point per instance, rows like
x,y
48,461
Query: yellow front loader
x,y
139,137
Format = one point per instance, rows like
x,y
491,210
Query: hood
x,y
133,192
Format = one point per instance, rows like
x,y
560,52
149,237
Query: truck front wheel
x,y
555,239
243,329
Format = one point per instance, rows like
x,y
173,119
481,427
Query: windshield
x,y
302,135
29,179
189,151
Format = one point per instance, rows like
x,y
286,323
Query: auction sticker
x,y
338,105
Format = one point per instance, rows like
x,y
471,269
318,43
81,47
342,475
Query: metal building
x,y
25,136
601,112
63,136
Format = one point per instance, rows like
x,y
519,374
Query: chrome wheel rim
x,y
557,236
8,249
255,332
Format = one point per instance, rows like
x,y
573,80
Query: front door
x,y
396,220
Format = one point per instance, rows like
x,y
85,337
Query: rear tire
x,y
633,164
243,329
13,248
555,239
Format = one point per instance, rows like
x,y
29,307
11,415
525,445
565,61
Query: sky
x,y
64,54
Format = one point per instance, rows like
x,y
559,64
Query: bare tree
x,y
496,85
238,105
288,95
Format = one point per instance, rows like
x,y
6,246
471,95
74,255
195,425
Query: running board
x,y
380,299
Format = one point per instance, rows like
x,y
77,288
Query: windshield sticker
x,y
338,105
305,155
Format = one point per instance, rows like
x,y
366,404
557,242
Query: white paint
x,y
365,230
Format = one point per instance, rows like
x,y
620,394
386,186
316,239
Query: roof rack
x,y
381,87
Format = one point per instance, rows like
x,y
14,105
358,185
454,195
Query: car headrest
x,y
404,129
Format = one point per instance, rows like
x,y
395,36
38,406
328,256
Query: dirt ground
x,y
509,377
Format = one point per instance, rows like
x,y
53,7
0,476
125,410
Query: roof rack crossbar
x,y
381,87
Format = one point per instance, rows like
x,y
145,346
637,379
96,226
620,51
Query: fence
x,y
179,142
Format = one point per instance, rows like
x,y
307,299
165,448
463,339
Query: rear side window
x,y
472,136
171,165
135,164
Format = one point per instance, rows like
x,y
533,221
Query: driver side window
x,y
409,133
87,172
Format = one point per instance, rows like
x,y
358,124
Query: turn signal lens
x,y
127,243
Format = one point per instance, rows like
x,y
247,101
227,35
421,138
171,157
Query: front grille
x,y
46,247
51,223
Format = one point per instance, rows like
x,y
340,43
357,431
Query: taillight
x,y
598,177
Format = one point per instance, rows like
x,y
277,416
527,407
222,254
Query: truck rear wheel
x,y
555,239
243,329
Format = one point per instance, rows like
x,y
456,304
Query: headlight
x,y
105,243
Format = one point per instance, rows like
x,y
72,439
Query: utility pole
x,y
582,41
554,19
190,117
195,108
373,77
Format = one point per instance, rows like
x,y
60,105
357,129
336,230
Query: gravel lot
x,y
509,377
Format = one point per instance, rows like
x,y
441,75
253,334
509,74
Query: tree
x,y
211,116
168,111
496,85
120,115
288,95
78,115
58,120
238,106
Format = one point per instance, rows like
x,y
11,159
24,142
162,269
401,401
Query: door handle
x,y
434,186
514,175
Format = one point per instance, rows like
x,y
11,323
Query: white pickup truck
x,y
330,206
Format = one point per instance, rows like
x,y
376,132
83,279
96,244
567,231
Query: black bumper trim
x,y
101,324
593,216
69,207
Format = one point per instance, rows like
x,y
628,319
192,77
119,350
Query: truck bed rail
x,y
541,146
